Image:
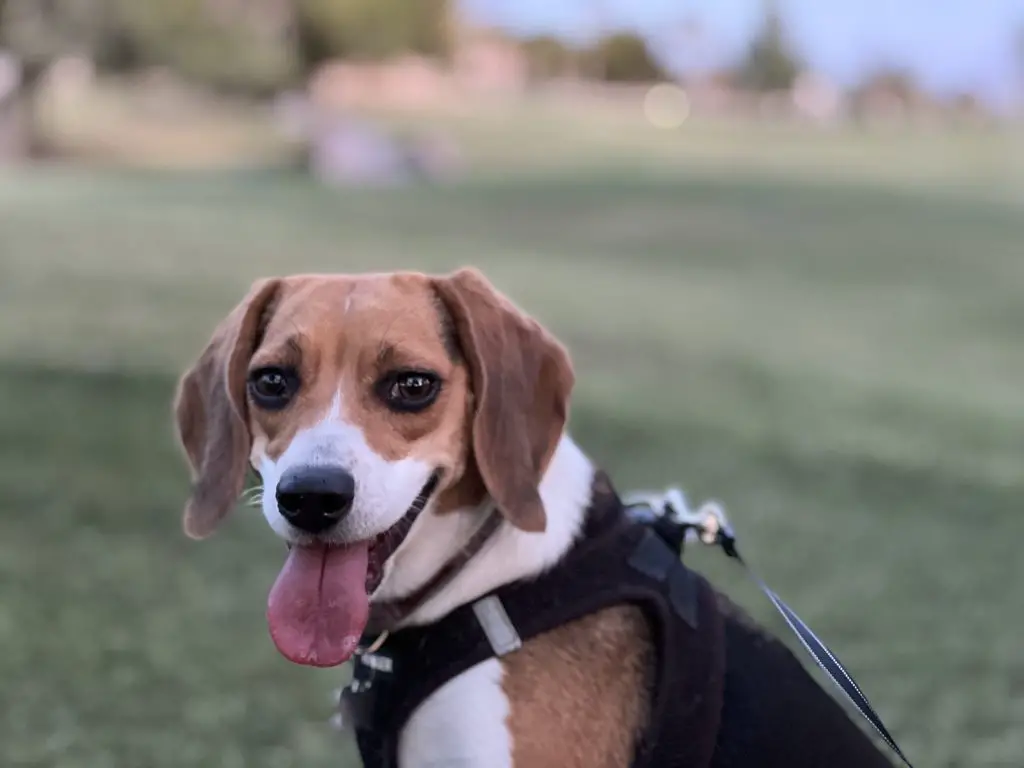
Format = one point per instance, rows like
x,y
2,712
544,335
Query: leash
x,y
673,519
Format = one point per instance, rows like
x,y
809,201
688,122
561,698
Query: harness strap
x,y
628,565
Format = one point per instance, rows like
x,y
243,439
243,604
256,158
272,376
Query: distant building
x,y
408,82
485,61
816,97
482,62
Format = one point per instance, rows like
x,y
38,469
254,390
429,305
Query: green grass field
x,y
843,365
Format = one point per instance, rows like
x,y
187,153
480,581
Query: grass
x,y
843,365
513,138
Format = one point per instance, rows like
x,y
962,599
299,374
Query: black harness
x,y
725,694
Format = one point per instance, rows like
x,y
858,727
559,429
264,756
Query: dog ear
x,y
521,378
211,413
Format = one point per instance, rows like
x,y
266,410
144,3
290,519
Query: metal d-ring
x,y
377,643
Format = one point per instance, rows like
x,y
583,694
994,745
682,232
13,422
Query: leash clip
x,y
670,515
707,523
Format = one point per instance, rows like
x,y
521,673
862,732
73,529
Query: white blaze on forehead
x,y
384,489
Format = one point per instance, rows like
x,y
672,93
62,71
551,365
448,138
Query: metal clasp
x,y
707,524
354,703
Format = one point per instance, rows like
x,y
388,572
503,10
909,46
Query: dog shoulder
x,y
574,697
578,695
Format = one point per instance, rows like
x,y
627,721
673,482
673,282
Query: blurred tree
x,y
372,29
241,46
549,57
887,91
770,63
38,32
889,82
623,57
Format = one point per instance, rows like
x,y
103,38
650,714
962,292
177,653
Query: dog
x,y
403,426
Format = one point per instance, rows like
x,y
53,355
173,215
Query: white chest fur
x,y
464,724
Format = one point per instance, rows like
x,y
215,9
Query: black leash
x,y
673,520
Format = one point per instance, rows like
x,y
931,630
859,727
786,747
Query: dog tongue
x,y
318,607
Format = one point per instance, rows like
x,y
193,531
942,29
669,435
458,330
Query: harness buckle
x,y
355,702
501,633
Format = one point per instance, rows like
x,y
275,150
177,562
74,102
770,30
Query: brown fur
x,y
494,427
211,413
578,695
345,333
522,379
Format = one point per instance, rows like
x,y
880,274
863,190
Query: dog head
x,y
362,401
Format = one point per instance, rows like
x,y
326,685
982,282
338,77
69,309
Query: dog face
x,y
363,402
356,400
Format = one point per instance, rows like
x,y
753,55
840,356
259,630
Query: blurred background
x,y
783,240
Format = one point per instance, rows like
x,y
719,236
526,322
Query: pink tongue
x,y
318,606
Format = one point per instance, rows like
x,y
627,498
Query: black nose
x,y
315,498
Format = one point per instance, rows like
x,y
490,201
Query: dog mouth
x,y
319,604
385,544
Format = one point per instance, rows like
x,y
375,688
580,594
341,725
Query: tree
x,y
770,63
371,29
241,47
624,57
886,91
38,32
890,83
548,57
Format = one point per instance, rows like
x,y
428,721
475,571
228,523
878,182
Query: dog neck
x,y
509,555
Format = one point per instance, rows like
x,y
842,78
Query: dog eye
x,y
410,391
272,388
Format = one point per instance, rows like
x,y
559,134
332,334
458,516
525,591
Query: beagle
x,y
381,413
388,416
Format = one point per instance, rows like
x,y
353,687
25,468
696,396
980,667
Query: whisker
x,y
253,497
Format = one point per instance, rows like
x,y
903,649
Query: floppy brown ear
x,y
210,410
522,378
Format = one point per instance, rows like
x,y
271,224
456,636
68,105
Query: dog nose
x,y
314,498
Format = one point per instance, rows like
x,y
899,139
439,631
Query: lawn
x,y
842,364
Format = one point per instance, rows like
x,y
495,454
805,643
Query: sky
x,y
949,45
